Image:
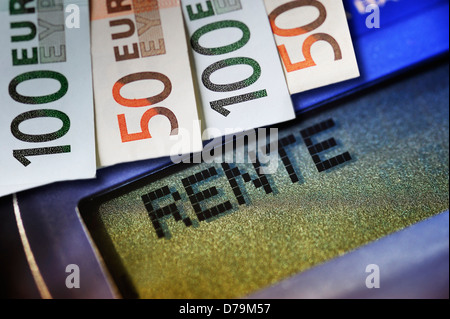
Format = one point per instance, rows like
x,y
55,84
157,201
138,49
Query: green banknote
x,y
47,122
240,80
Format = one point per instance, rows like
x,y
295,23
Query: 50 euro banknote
x,y
47,122
314,42
145,104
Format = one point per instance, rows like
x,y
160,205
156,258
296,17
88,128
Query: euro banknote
x,y
314,42
47,122
239,75
145,104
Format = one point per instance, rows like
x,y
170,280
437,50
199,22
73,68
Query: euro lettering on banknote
x,y
144,96
314,42
47,122
239,74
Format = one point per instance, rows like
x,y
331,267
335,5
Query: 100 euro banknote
x,y
240,78
47,122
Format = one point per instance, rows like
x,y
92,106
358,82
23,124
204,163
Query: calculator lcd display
x,y
346,176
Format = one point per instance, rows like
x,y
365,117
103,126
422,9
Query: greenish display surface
x,y
399,143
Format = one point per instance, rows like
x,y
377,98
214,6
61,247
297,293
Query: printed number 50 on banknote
x,y
314,42
144,95
47,121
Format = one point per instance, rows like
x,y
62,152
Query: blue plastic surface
x,y
411,31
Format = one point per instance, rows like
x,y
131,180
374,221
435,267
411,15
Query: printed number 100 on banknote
x,y
47,122
144,96
239,74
